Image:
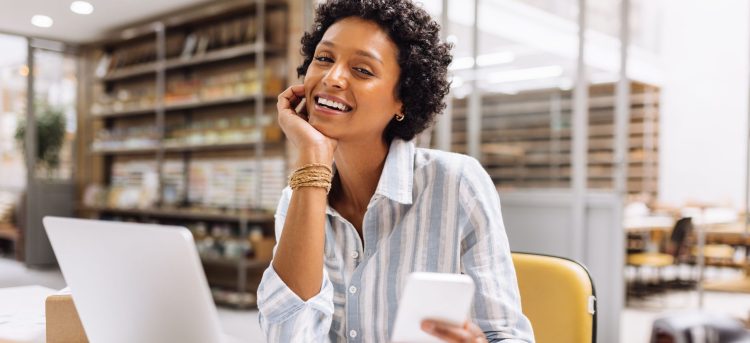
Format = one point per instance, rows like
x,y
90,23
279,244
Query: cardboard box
x,y
63,323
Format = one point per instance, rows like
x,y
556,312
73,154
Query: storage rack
x,y
526,138
191,45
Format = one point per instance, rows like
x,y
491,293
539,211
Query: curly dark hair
x,y
423,83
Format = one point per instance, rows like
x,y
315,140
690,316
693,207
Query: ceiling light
x,y
495,58
485,60
39,20
81,7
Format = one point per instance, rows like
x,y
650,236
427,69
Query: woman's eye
x,y
364,71
323,59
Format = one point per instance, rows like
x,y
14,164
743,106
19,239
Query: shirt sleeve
x,y
284,316
486,258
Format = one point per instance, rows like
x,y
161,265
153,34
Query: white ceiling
x,y
15,17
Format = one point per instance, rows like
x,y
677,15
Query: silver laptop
x,y
135,282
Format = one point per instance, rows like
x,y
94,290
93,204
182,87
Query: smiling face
x,y
350,84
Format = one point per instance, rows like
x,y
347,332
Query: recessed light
x,y
81,7
41,21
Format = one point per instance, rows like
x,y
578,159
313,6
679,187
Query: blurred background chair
x,y
548,282
676,254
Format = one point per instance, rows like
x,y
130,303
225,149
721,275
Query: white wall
x,y
704,101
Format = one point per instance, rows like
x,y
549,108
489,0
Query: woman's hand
x,y
469,332
314,146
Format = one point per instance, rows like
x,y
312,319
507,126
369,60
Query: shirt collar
x,y
397,178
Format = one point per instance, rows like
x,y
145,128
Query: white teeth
x,y
332,103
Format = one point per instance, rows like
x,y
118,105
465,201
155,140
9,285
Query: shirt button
x,y
352,289
353,333
355,254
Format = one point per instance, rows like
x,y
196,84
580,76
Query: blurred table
x,y
651,229
649,223
22,314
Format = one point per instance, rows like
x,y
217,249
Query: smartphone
x,y
440,296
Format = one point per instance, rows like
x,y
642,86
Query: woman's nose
x,y
336,77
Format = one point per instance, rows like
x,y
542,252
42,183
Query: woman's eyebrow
x,y
358,52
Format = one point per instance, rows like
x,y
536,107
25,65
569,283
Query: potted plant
x,y
50,135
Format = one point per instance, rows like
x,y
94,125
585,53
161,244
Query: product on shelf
x,y
186,45
134,137
135,54
131,97
134,185
233,183
230,83
180,90
173,183
233,129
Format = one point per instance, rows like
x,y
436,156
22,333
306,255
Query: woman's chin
x,y
323,127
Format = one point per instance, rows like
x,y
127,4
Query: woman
x,y
375,75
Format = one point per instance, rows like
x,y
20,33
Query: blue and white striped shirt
x,y
432,211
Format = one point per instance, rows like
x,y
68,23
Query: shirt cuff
x,y
277,303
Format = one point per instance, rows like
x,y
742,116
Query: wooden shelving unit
x,y
526,138
187,214
189,92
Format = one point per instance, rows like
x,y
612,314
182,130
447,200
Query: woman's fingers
x,y
299,90
290,98
474,329
295,125
448,332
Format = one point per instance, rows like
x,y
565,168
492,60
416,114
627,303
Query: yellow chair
x,y
557,295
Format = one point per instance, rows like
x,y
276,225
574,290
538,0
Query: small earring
x,y
399,117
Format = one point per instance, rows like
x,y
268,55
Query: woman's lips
x,y
326,110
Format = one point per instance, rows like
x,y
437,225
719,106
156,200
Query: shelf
x,y
125,151
132,71
184,148
238,99
234,299
526,138
126,113
215,147
221,55
176,213
234,262
188,105
195,89
178,62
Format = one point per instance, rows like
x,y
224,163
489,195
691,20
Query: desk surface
x,y
22,314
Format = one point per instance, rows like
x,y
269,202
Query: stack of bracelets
x,y
312,175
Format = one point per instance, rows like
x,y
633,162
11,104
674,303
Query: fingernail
x,y
429,326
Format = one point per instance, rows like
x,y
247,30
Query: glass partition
x,y
55,86
13,89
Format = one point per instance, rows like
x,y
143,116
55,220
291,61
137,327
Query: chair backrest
x,y
680,232
557,295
